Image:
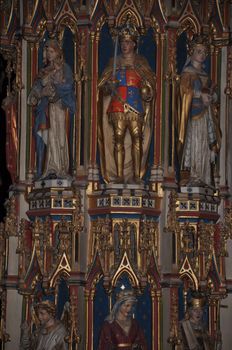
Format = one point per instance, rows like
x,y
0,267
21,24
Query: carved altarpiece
x,y
80,240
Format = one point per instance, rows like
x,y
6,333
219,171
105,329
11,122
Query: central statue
x,y
126,95
120,330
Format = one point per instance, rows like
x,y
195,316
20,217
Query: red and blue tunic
x,y
127,91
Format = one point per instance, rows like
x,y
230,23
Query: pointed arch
x,y
189,19
95,272
186,271
33,273
125,266
63,268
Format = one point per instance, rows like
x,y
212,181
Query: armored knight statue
x,y
126,100
49,335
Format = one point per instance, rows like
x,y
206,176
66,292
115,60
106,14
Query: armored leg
x,y
119,127
135,128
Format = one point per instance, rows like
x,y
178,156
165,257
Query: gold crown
x,y
128,32
199,40
46,304
197,302
126,294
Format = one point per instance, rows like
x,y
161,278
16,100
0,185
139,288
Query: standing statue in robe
x,y
120,330
52,95
193,331
198,129
49,335
125,114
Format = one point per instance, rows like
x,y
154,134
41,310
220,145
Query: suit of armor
x,y
128,109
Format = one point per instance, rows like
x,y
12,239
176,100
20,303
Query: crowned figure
x,y
120,330
52,96
193,331
50,333
126,100
198,131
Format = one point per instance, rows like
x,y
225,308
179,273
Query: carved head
x,y
199,41
196,307
53,52
125,302
46,305
128,32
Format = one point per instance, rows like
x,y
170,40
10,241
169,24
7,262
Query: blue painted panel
x,y
147,48
63,297
106,48
40,51
100,311
68,48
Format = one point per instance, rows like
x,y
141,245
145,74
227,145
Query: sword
x,y
115,56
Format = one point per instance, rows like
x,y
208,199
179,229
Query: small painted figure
x,y
49,335
193,331
198,129
126,99
120,330
52,95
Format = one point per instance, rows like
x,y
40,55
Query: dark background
x,y
5,179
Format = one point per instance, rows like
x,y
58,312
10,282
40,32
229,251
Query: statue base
x,y
125,198
198,201
51,197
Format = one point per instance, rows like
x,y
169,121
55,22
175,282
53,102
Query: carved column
x,y
89,318
94,42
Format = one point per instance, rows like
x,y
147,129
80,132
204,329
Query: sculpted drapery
x,y
114,337
197,125
125,114
194,336
49,334
50,339
120,330
52,94
193,331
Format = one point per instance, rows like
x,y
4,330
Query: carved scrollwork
x,y
189,243
148,240
137,239
42,241
4,336
228,89
70,318
2,250
206,242
102,240
63,237
11,221
24,247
